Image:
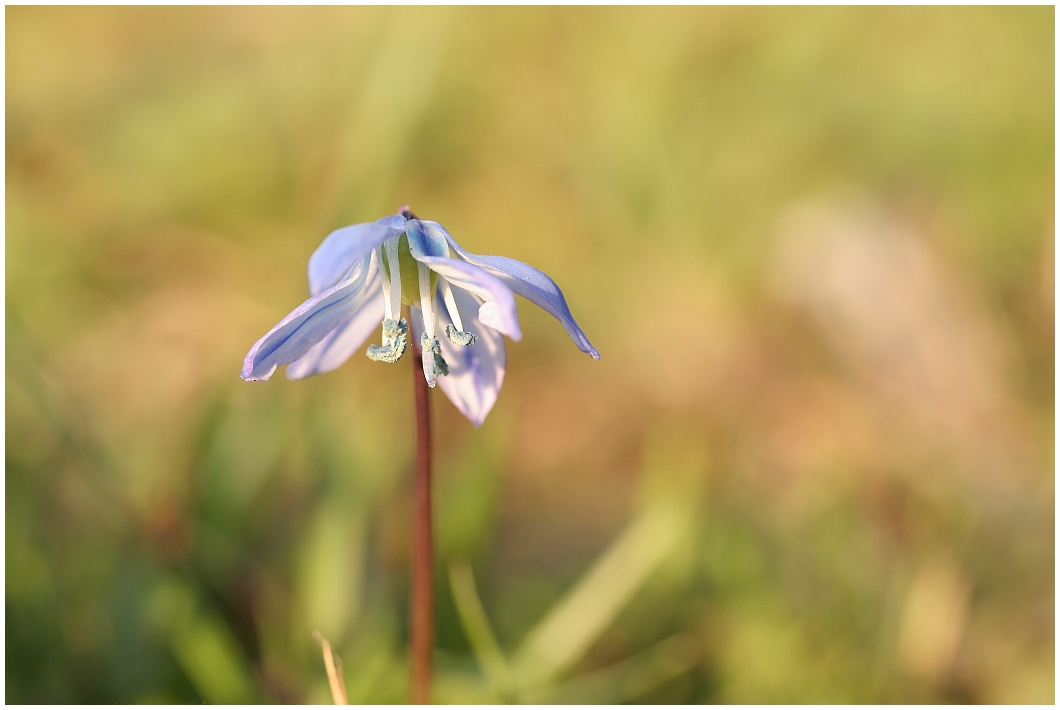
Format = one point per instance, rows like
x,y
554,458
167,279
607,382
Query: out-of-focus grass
x,y
814,247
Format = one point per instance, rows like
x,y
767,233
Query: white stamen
x,y
386,285
426,299
395,275
450,303
428,323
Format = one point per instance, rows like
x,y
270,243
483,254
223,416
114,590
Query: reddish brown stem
x,y
422,602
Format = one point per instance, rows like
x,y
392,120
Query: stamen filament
x,y
395,328
450,303
455,330
426,299
386,284
395,275
434,365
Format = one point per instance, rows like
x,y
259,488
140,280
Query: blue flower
x,y
361,274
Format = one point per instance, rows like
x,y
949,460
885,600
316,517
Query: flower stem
x,y
422,602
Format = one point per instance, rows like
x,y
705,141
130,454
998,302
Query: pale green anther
x,y
459,337
431,345
395,342
394,329
441,367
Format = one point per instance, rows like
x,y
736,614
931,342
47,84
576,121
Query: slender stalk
x,y
422,602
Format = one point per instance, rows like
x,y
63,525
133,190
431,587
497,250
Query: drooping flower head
x,y
362,274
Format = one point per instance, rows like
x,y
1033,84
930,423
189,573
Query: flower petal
x,y
341,249
426,238
311,322
498,311
337,347
533,285
476,372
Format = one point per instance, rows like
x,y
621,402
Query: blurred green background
x,y
814,247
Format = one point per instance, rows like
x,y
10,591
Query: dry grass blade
x,y
333,664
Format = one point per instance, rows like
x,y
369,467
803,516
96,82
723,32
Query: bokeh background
x,y
814,247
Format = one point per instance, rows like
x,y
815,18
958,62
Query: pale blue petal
x,y
533,285
337,347
393,221
476,372
426,238
343,247
498,310
311,322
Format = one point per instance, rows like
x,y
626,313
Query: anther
x,y
433,362
459,337
395,342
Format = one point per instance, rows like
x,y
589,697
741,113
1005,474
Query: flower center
x,y
409,272
407,281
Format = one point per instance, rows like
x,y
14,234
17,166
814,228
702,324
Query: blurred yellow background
x,y
813,246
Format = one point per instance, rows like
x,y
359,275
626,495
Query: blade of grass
x,y
578,619
479,632
202,643
629,679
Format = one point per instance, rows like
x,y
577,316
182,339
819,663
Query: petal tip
x,y
477,419
247,374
